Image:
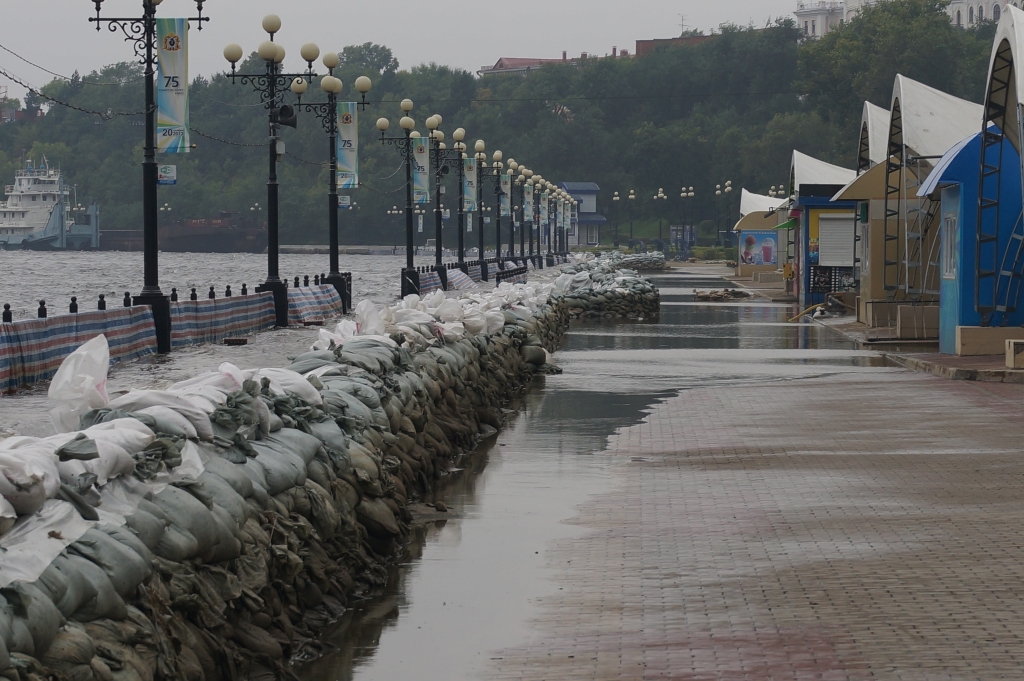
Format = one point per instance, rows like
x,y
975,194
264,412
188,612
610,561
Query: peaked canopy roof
x,y
874,136
758,203
807,170
1005,77
929,121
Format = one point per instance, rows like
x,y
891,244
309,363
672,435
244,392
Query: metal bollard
x,y
73,307
193,296
174,295
102,304
316,279
212,294
296,282
127,299
305,281
227,291
42,309
245,291
8,317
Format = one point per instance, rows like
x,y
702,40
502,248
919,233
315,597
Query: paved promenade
x,y
863,525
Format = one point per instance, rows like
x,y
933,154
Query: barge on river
x,y
228,233
40,215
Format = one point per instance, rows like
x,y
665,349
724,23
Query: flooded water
x,y
31,276
475,585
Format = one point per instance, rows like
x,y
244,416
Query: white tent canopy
x,y
758,203
874,136
807,170
928,121
1005,76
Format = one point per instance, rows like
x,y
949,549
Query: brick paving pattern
x,y
858,526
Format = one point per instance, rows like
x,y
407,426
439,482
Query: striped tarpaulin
x,y
312,304
209,321
459,280
474,273
429,282
32,350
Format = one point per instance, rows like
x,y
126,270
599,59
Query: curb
x,y
956,373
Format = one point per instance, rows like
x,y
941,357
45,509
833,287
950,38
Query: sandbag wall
x,y
302,500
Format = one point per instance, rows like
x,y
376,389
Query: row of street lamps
x,y
511,187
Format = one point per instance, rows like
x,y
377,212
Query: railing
x,y
514,275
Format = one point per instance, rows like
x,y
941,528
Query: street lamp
x,y
141,32
615,210
687,196
327,113
495,176
444,160
271,86
632,198
660,196
410,277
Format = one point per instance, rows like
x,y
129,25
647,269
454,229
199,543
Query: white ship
x,y
39,213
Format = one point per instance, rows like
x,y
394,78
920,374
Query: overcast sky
x,y
461,33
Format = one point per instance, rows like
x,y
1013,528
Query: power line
x,y
105,115
52,73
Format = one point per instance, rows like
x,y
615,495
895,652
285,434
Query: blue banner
x,y
172,116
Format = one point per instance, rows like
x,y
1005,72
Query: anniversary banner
x,y
172,120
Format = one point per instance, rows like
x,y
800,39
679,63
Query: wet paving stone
x,y
719,496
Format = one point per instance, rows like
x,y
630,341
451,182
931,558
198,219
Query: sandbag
x,y
295,441
282,469
80,590
170,422
126,568
147,527
232,474
189,515
80,384
40,615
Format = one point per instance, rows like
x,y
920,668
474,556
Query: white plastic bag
x,y
80,384
450,311
368,320
284,381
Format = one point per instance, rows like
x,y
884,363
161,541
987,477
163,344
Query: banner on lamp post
x,y
420,173
469,186
348,145
172,117
506,194
527,203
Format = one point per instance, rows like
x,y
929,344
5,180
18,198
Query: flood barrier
x,y
208,321
213,529
32,350
313,304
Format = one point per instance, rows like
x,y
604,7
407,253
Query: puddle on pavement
x,y
473,584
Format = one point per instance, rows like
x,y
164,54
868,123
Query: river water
x,y
55,276
480,583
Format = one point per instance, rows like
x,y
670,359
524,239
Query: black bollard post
x,y
127,299
8,317
323,279
102,304
245,291
73,307
316,279
42,309
296,282
174,295
227,291
305,281
193,296
212,294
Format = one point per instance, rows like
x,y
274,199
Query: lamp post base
x,y
161,307
410,281
341,286
280,291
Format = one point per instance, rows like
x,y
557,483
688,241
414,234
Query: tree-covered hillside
x,y
729,108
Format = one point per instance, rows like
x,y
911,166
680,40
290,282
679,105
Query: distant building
x,y
585,229
819,17
645,47
523,66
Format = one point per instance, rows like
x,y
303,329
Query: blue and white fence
x,y
209,321
32,350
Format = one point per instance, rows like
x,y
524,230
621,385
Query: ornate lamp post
x,y
495,176
327,113
687,197
632,198
444,160
410,277
272,85
615,200
141,33
660,196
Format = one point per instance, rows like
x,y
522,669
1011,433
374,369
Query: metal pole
x,y
497,213
522,221
273,243
150,245
462,211
409,245
438,221
480,218
333,212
